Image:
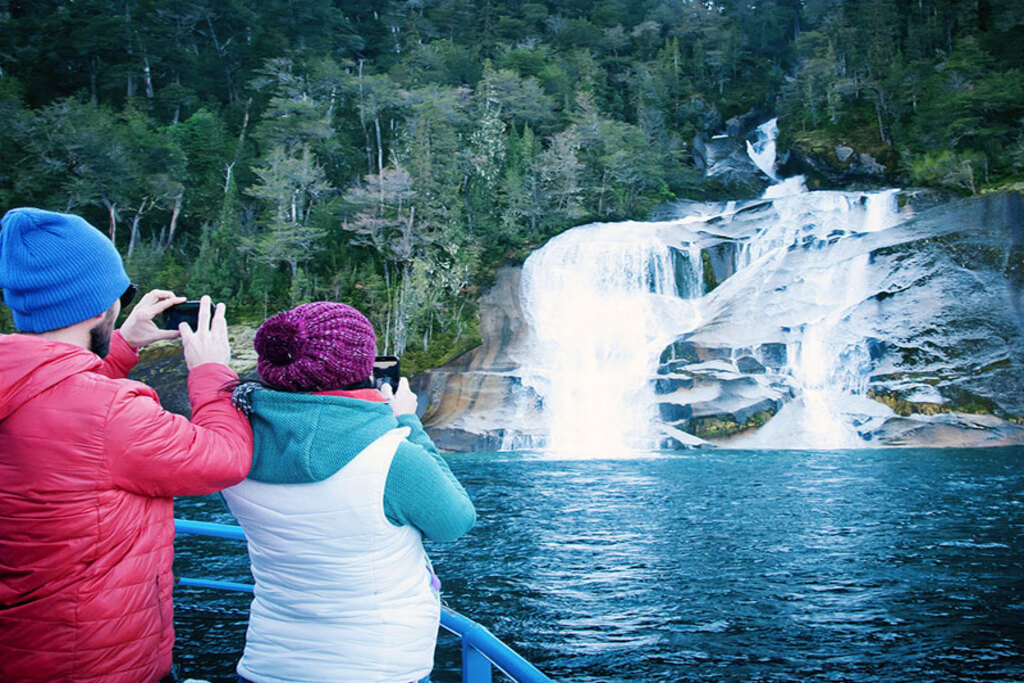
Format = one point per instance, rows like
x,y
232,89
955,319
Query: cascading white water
x,y
603,301
762,150
602,304
832,369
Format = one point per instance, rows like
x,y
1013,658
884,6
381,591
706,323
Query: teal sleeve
x,y
422,491
417,434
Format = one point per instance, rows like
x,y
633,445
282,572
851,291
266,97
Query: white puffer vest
x,y
341,593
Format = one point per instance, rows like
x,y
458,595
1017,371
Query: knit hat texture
x,y
316,346
56,269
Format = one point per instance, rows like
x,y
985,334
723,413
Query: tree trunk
x,y
112,212
135,228
130,85
882,111
175,212
469,208
245,128
221,51
177,102
362,122
148,76
93,75
401,315
227,176
380,146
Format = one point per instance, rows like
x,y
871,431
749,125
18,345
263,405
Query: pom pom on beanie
x,y
316,346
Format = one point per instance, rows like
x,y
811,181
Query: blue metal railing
x,y
481,650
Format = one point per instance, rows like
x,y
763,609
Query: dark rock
x,y
947,430
678,354
726,424
674,412
162,367
727,166
682,265
835,168
720,263
670,443
749,365
463,441
773,355
669,385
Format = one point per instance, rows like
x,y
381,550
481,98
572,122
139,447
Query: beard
x,y
99,336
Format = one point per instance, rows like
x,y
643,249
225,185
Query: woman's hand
x,y
403,401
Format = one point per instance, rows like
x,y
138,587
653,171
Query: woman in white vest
x,y
344,486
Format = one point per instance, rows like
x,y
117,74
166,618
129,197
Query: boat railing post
x,y
476,668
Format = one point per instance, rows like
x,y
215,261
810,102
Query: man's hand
x,y
209,343
139,329
403,402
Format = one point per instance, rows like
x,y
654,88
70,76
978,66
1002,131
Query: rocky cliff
x,y
941,329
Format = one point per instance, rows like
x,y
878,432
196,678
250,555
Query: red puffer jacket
x,y
89,463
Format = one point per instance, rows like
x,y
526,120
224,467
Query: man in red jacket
x,y
90,462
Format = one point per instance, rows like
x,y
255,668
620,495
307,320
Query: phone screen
x,y
386,371
187,312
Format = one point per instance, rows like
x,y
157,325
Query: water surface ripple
x,y
870,565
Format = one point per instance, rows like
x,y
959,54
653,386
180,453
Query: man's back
x,y
88,464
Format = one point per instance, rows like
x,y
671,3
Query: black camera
x,y
187,312
386,371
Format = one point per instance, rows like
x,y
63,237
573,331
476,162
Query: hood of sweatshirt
x,y
302,438
30,365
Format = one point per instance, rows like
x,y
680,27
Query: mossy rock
x,y
720,427
905,408
960,401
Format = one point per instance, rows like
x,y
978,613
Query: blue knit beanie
x,y
56,269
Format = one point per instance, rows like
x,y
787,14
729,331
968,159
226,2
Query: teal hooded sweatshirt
x,y
304,438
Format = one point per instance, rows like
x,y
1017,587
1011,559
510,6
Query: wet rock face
x,y
476,400
836,168
941,326
954,430
719,392
964,268
162,367
727,165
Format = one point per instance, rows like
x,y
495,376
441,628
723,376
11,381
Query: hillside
x,y
393,155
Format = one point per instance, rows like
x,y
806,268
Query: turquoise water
x,y
870,565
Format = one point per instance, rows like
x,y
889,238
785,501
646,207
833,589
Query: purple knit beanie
x,y
316,346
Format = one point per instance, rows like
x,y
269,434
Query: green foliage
x,y
394,154
959,172
6,321
929,86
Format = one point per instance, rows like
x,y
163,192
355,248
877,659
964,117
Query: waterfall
x,y
762,150
777,339
829,360
602,302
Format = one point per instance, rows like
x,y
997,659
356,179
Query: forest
x,y
393,154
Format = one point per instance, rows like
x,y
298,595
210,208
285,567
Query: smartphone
x,y
187,312
386,371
